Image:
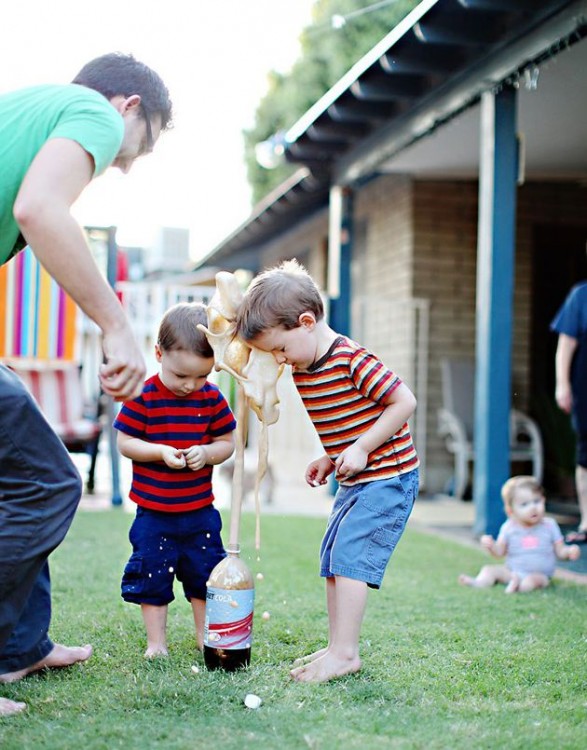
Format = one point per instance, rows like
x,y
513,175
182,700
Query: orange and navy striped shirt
x,y
159,416
345,393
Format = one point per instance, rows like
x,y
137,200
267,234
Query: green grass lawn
x,y
443,666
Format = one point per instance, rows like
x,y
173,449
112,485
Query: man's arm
x,y
564,356
55,179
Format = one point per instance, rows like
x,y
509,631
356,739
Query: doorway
x,y
559,262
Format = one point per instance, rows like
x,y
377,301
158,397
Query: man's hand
x,y
123,373
564,398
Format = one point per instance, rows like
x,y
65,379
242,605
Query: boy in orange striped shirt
x,y
360,411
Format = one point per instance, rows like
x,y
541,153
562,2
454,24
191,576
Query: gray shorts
x,y
365,525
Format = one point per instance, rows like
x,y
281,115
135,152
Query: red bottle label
x,y
229,618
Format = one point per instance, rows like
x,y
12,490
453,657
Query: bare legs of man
x,y
59,656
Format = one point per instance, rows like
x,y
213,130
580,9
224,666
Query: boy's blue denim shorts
x,y
186,546
365,525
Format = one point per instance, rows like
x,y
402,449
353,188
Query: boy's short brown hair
x,y
178,329
276,298
513,484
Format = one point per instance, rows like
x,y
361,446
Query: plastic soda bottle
x,y
228,629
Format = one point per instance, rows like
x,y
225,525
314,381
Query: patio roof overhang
x,y
428,70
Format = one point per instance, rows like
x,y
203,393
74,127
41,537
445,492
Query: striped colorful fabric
x,y
37,318
344,395
159,416
56,386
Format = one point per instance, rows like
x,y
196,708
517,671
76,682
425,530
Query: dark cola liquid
x,y
228,629
228,659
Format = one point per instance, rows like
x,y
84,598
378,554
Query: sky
x,y
213,55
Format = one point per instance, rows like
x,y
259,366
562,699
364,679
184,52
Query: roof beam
x,y
337,131
506,6
463,30
454,97
355,111
389,88
437,60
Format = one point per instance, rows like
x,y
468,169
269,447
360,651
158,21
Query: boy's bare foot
x,y
154,651
59,656
325,668
9,708
310,657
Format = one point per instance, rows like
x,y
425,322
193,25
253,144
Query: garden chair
x,y
456,422
56,386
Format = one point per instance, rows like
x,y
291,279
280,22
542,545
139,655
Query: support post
x,y
111,269
340,247
495,284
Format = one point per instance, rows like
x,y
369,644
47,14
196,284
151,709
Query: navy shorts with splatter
x,y
166,546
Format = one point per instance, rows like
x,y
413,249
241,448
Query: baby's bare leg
x,y
331,605
199,610
532,582
342,655
9,708
488,576
155,619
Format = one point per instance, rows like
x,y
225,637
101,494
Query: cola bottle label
x,y
229,618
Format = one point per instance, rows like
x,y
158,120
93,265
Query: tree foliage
x,y
327,53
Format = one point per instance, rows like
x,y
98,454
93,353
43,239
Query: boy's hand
x,y
173,457
487,542
196,457
318,471
573,552
352,460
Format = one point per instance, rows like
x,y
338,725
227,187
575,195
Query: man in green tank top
x,y
54,139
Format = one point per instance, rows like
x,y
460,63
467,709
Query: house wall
x,y
445,249
416,240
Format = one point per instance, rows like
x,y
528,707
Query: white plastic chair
x,y
456,421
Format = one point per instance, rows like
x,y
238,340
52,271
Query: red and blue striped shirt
x,y
345,393
159,416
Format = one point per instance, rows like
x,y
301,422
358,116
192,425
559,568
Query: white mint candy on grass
x,y
252,700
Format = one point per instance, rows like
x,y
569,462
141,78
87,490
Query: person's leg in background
x,y
40,489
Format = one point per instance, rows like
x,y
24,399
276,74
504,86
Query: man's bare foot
x,y
310,657
325,668
9,708
153,652
465,580
59,656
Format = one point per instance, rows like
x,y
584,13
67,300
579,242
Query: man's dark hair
x,y
119,74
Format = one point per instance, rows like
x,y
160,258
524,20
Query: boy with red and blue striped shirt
x,y
175,432
360,411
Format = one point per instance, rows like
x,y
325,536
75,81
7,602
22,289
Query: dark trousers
x,y
40,489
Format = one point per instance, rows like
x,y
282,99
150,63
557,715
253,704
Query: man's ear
x,y
307,320
126,104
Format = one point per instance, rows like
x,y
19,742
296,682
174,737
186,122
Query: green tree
x,y
329,48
